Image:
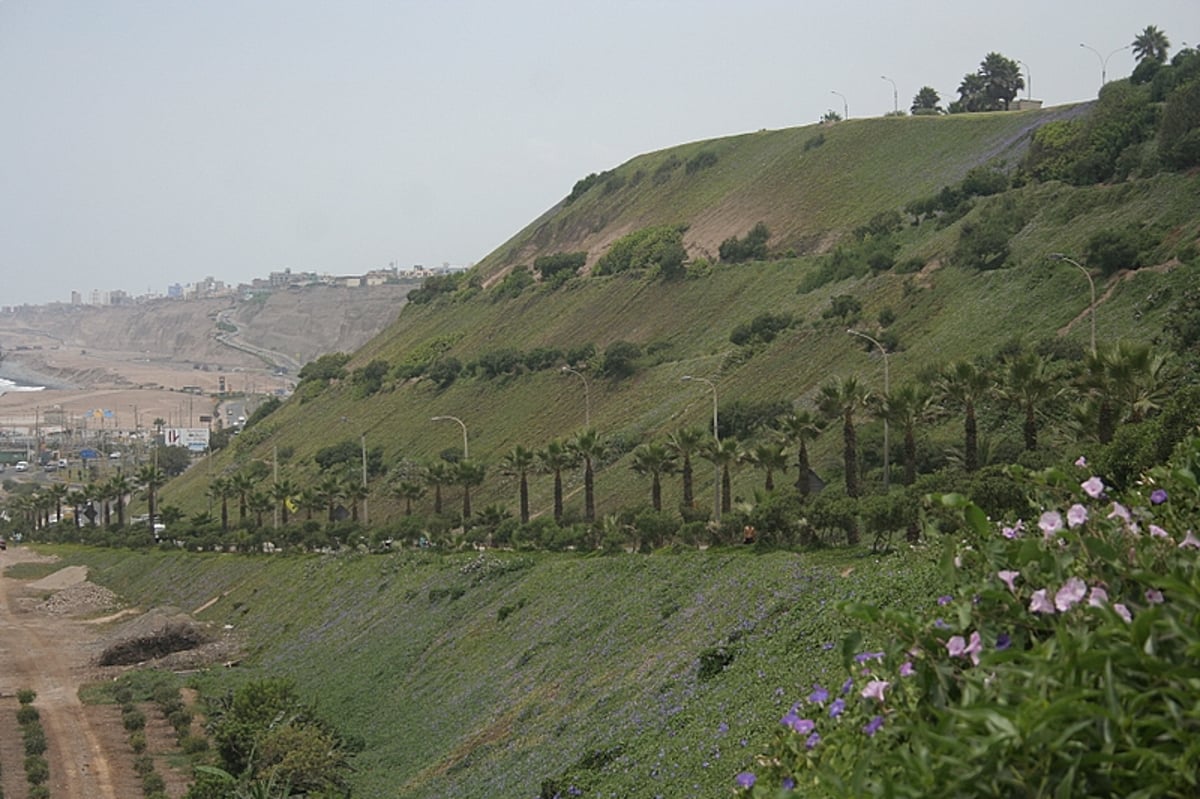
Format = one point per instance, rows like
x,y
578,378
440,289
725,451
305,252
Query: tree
x,y
282,492
840,401
1027,386
118,487
243,484
150,478
653,460
965,385
354,492
770,457
926,101
410,492
589,447
438,474
556,457
260,502
469,473
904,407
724,454
1002,77
1151,44
518,463
77,498
799,429
685,442
329,490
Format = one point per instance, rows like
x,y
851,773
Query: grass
x,y
591,679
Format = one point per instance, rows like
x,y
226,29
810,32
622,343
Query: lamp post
x,y
1058,256
587,398
1028,80
845,105
895,94
1104,60
462,424
717,439
363,440
887,392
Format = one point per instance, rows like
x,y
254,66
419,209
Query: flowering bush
x,y
1063,659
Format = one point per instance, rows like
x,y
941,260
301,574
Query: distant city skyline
x,y
233,139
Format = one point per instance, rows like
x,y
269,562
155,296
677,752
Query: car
x,y
22,466
62,463
50,466
114,456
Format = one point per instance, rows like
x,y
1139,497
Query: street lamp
x,y
363,440
1104,60
895,94
462,424
1028,81
587,398
1058,256
845,105
886,392
717,439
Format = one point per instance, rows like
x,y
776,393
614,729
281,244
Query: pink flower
x,y
1072,591
1119,511
1093,487
974,647
1039,603
1050,523
956,646
1123,612
1076,515
1081,461
1098,597
1190,541
875,689
906,669
1158,532
1009,577
1154,596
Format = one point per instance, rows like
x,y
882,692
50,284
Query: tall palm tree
x,y
685,442
966,385
354,492
724,454
409,491
438,474
469,473
77,498
904,408
119,487
221,488
260,503
840,401
282,492
771,457
242,484
151,478
56,494
799,429
1151,44
329,489
518,463
556,457
1028,385
309,500
590,448
1137,377
654,460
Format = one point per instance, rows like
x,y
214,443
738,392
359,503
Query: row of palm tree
x,y
112,495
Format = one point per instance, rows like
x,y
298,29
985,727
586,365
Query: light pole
x,y
462,424
717,439
887,392
1104,60
845,105
587,397
363,440
895,94
1028,81
1058,256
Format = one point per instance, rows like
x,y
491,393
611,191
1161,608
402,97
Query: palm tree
x,y
242,484
330,491
469,473
1151,44
409,491
518,463
965,385
552,460
221,488
77,498
1137,377
588,446
770,457
309,500
685,442
56,494
841,400
354,492
438,474
724,454
1027,386
904,408
151,478
260,502
282,492
118,487
654,460
799,429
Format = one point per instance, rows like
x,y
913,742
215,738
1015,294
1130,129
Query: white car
x,y
22,466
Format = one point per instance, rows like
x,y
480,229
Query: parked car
x,y
22,466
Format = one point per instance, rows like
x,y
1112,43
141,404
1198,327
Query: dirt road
x,y
50,654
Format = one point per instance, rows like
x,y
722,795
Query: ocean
x,y
7,385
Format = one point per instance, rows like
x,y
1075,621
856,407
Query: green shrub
x,y
27,714
1111,250
701,160
133,719
153,783
751,248
37,770
137,742
26,696
34,738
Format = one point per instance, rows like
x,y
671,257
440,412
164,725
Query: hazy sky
x,y
160,141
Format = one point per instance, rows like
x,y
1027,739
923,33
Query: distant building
x,y
1025,105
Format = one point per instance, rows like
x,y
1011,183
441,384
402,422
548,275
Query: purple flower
x,y
1154,596
819,695
1190,541
1015,531
1039,603
837,707
1003,641
875,689
1008,576
863,657
1073,591
1123,612
1158,532
1093,487
974,646
1097,597
1119,511
797,724
847,685
1158,496
945,599
956,645
574,791
1081,461
941,624
906,669
722,728
745,780
788,783
1050,523
812,741
1076,515
872,726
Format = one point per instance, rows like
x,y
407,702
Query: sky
x,y
150,142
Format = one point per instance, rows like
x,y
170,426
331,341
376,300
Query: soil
x,y
50,638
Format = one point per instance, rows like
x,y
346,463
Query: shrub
x,y
27,714
137,742
751,248
37,770
26,696
701,160
133,719
34,739
1112,250
620,359
561,264
658,246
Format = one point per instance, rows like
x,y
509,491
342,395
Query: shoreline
x,y
26,377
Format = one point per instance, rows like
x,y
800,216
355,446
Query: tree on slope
x,y
684,443
518,463
840,401
965,385
653,460
800,429
556,457
590,448
1151,44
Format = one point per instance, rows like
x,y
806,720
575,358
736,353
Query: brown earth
x,y
50,636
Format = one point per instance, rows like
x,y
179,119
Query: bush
x,y
701,160
137,742
133,719
620,359
659,246
559,265
37,770
34,739
26,696
1112,250
27,714
752,248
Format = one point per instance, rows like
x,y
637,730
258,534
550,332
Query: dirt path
x,y
50,655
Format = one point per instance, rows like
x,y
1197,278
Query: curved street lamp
x,y
717,438
845,105
1058,256
886,392
895,94
587,397
1104,60
462,424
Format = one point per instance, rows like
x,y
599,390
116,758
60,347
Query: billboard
x,y
194,438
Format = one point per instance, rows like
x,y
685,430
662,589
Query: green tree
x,y
150,478
1002,77
243,484
724,454
770,457
840,401
221,489
556,457
653,460
1151,44
904,408
282,492
684,443
966,385
799,429
1027,386
589,447
409,491
926,101
329,489
119,487
470,474
518,463
438,474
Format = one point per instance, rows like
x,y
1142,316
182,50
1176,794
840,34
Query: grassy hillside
x,y
484,676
